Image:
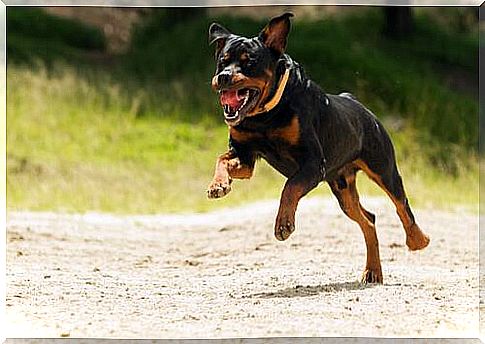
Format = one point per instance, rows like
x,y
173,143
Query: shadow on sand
x,y
310,290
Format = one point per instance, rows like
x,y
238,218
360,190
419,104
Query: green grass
x,y
143,136
80,151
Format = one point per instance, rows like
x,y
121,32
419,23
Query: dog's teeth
x,y
246,98
242,105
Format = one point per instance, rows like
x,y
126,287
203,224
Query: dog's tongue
x,y
230,97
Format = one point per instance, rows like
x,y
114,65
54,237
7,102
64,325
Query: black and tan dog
x,y
276,113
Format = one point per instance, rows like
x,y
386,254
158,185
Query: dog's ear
x,y
218,35
275,34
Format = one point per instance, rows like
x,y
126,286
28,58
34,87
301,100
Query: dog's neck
x,y
280,89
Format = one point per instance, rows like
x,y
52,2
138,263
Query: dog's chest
x,y
280,146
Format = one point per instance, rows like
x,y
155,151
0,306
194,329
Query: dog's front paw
x,y
285,225
218,189
372,276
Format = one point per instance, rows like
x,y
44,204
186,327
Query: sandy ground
x,y
223,274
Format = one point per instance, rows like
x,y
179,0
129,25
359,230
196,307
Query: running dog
x,y
275,112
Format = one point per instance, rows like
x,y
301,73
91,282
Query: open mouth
x,y
238,102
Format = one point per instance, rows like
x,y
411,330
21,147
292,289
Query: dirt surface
x,y
223,274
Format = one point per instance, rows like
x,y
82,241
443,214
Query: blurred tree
x,y
157,21
398,21
170,16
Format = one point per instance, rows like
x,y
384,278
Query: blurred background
x,y
110,109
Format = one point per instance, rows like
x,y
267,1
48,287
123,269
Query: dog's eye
x,y
221,63
251,61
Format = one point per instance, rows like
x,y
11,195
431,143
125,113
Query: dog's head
x,y
246,68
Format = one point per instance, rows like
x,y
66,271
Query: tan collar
x,y
279,93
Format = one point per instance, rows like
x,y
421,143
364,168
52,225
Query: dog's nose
x,y
224,79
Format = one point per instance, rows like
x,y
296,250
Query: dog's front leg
x,y
229,166
306,179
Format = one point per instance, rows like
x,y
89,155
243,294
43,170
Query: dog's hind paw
x,y
284,230
416,239
218,189
371,276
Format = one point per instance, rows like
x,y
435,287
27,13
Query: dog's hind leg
x,y
345,190
385,174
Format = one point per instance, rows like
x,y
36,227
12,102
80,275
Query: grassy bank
x,y
82,150
85,150
142,137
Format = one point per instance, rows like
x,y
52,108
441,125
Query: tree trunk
x,y
398,21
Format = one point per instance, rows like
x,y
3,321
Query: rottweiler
x,y
275,112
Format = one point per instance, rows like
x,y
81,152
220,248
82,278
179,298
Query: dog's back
x,y
346,129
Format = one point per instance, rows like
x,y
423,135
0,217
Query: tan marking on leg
x,y
237,170
350,204
228,166
415,238
285,220
221,182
